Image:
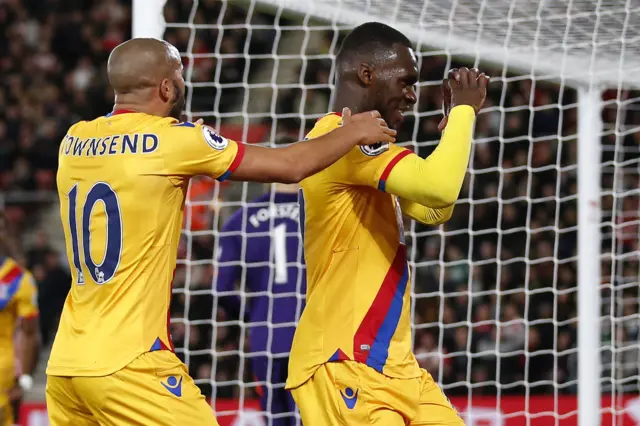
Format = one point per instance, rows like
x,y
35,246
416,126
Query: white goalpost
x,y
526,304
590,128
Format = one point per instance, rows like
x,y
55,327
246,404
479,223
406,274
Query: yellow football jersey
x,y
18,299
358,297
122,181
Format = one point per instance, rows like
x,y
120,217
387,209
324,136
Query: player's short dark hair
x,y
370,37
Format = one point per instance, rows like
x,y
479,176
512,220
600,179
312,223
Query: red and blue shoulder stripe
x,y
10,280
382,182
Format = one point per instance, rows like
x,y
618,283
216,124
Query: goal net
x,y
497,306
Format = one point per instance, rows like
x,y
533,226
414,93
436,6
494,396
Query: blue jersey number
x,y
104,271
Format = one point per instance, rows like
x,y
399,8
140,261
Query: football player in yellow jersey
x,y
351,362
122,181
18,308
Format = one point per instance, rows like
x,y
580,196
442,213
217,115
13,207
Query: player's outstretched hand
x,y
369,125
467,87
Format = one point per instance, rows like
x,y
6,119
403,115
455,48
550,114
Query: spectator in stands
x,y
53,286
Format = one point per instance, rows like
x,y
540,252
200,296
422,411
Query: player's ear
x,y
366,73
166,90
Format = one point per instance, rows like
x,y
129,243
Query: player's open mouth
x,y
400,117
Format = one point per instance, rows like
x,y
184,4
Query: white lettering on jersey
x,y
275,211
143,143
214,140
374,150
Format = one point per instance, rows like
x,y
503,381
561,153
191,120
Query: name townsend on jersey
x,y
143,143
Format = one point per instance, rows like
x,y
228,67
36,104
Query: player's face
x,y
395,86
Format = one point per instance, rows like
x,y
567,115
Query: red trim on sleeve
x,y
339,114
31,316
234,165
387,170
236,161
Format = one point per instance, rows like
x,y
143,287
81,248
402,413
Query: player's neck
x,y
135,108
131,103
346,100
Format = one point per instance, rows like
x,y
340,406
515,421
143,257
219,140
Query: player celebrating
x,y
122,181
351,360
18,307
264,232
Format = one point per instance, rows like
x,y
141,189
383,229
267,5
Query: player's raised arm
x,y
436,181
195,149
433,182
300,160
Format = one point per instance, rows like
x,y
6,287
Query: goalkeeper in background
x,y
351,360
261,244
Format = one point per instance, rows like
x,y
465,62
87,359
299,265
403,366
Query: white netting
x,y
558,39
495,310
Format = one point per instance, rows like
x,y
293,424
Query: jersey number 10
x,y
103,272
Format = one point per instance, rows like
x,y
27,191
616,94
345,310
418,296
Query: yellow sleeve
x,y
426,215
194,150
436,181
26,297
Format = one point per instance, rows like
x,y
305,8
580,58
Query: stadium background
x,y
479,327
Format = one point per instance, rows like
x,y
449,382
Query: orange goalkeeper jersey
x,y
122,181
358,293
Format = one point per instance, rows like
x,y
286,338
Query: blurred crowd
x,y
52,56
495,288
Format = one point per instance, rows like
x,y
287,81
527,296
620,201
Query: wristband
x,y
26,382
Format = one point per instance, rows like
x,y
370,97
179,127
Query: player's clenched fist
x,y
467,87
369,125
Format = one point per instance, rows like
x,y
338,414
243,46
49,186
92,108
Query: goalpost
x,y
569,63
